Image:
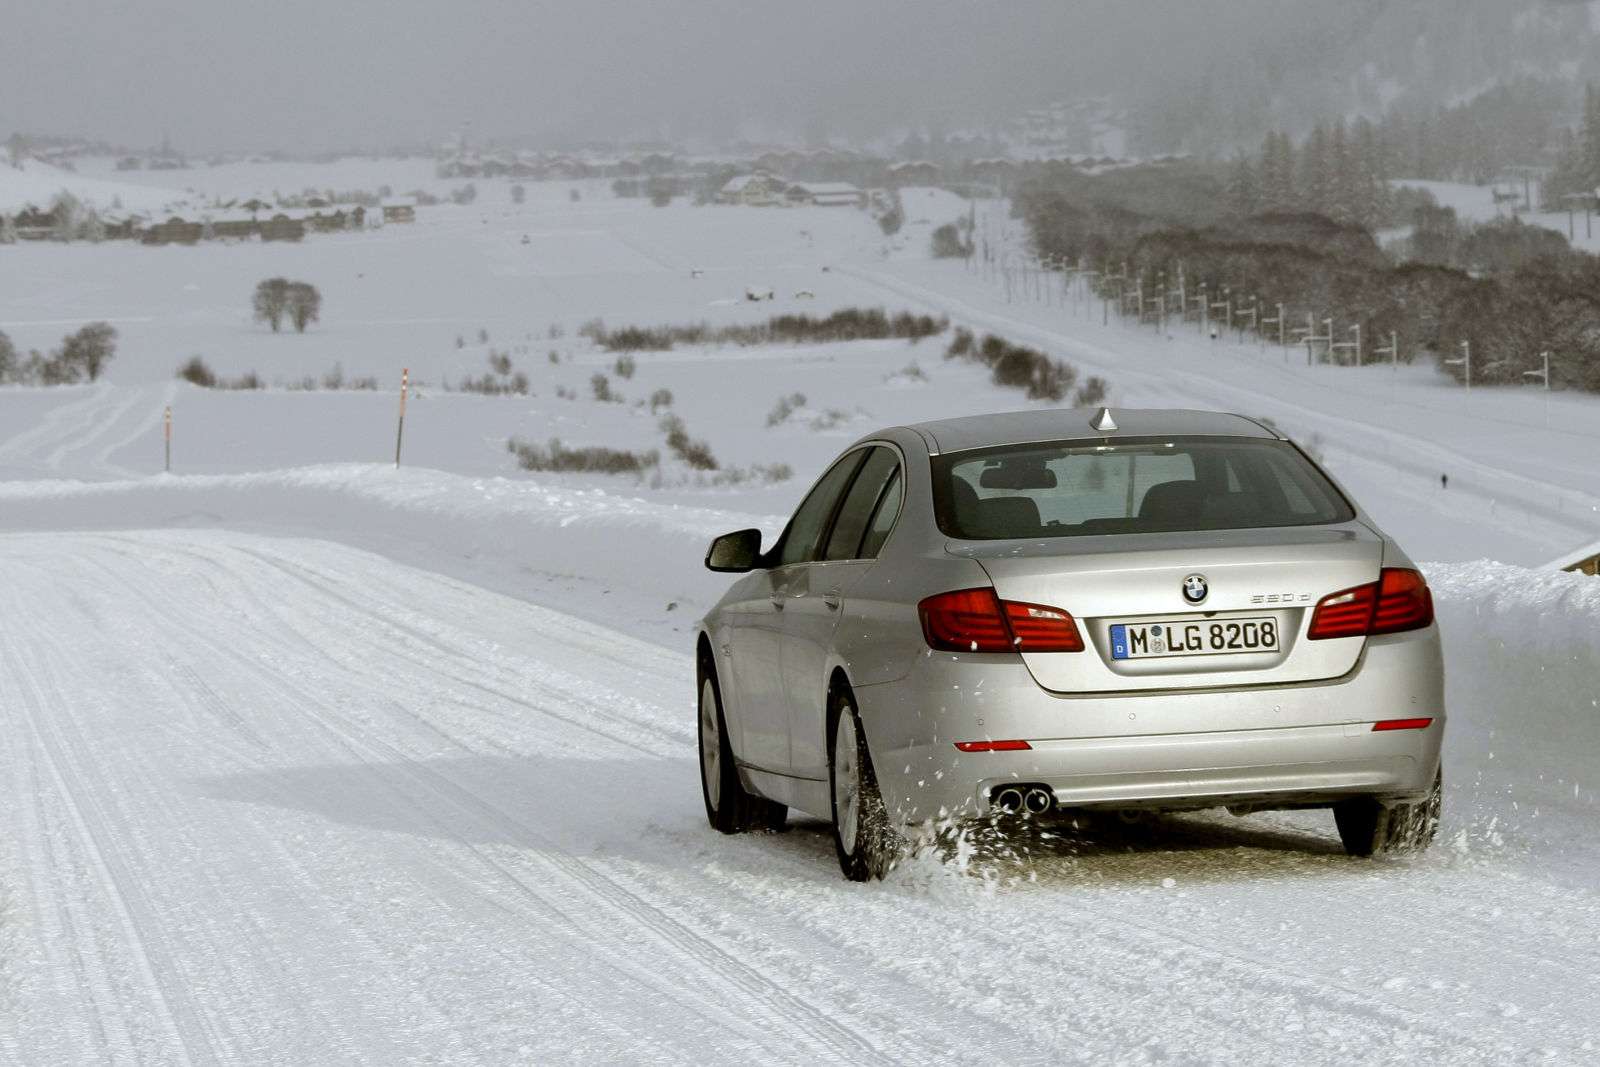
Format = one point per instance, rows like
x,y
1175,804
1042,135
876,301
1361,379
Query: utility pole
x,y
1356,344
1278,322
1542,375
1226,304
1392,350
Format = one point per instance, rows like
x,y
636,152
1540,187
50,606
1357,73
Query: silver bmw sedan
x,y
1013,616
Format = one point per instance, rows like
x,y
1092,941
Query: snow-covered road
x,y
276,800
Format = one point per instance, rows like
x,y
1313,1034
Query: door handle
x,y
777,600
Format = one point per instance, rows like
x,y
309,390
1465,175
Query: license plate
x,y
1207,637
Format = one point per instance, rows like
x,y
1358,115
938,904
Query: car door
x,y
814,595
756,652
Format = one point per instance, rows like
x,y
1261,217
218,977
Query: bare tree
x,y
305,305
90,349
271,301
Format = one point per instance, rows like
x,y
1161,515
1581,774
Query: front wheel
x,y
1369,827
866,844
729,807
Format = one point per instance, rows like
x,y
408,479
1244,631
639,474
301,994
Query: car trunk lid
x,y
1274,574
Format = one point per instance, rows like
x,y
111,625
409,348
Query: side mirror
x,y
735,552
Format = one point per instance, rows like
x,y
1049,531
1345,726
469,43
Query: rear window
x,y
1135,486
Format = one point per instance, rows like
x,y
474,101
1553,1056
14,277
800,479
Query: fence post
x,y
400,430
166,426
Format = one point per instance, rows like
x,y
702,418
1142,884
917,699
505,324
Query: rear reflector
x,y
977,620
1402,724
993,746
1398,601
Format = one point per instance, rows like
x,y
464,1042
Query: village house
x,y
754,190
282,226
176,230
400,209
826,194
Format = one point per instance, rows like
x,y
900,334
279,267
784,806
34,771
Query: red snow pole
x,y
400,431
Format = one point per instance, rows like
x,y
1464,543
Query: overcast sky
x,y
298,74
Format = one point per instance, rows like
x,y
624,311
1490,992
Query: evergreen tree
x,y
1244,190
1313,184
1589,139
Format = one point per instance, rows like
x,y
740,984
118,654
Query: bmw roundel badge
x,y
1195,589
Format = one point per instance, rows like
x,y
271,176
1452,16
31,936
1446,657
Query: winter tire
x,y
1370,827
729,808
866,844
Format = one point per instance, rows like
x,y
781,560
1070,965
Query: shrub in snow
x,y
8,359
90,349
661,398
1093,392
196,372
785,407
697,454
949,243
624,367
592,459
846,324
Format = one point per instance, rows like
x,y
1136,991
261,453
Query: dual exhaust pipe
x,y
1016,799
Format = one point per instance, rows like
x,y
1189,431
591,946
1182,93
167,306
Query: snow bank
x,y
1522,673
620,560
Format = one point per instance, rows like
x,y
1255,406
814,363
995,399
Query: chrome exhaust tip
x,y
1038,800
1008,800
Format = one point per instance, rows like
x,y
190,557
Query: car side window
x,y
805,529
856,511
883,518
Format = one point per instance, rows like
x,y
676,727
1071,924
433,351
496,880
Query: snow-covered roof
x,y
829,188
737,184
399,201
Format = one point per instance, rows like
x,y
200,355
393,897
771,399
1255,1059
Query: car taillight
x,y
977,620
1399,600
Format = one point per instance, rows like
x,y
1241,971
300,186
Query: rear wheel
x,y
729,807
863,839
1369,827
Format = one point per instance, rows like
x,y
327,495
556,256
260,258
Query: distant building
x,y
826,194
754,190
177,230
34,223
282,227
400,209
917,173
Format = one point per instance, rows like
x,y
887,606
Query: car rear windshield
x,y
1136,486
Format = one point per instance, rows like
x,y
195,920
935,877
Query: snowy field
x,y
313,760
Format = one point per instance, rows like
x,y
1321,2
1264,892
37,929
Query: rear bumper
x,y
1252,747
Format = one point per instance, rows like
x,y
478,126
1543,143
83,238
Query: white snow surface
x,y
281,800
313,760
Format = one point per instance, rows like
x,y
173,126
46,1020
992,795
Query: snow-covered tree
x,y
8,230
68,213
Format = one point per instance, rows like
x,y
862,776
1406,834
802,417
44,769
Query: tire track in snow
x,y
89,820
803,1023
